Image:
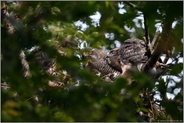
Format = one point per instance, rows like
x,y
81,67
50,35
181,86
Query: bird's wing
x,y
113,59
99,65
133,51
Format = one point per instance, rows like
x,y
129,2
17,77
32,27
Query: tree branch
x,y
153,59
131,4
145,25
165,42
147,35
160,48
146,30
25,64
154,40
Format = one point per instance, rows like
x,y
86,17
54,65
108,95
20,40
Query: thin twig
x,y
146,29
25,64
147,35
131,4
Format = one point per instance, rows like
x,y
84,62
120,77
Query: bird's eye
x,y
111,52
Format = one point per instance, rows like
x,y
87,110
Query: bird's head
x,y
113,52
95,54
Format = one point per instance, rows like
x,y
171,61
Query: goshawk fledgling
x,y
99,65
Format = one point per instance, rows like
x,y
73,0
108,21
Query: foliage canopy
x,y
48,24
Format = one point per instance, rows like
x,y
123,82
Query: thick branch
x,y
160,48
154,40
154,58
164,45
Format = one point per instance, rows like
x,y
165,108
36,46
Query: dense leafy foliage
x,y
49,25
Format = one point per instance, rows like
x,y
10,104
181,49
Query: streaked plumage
x,y
99,65
130,56
133,55
96,54
133,51
113,59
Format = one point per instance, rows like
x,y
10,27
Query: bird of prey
x,y
113,59
98,64
133,55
